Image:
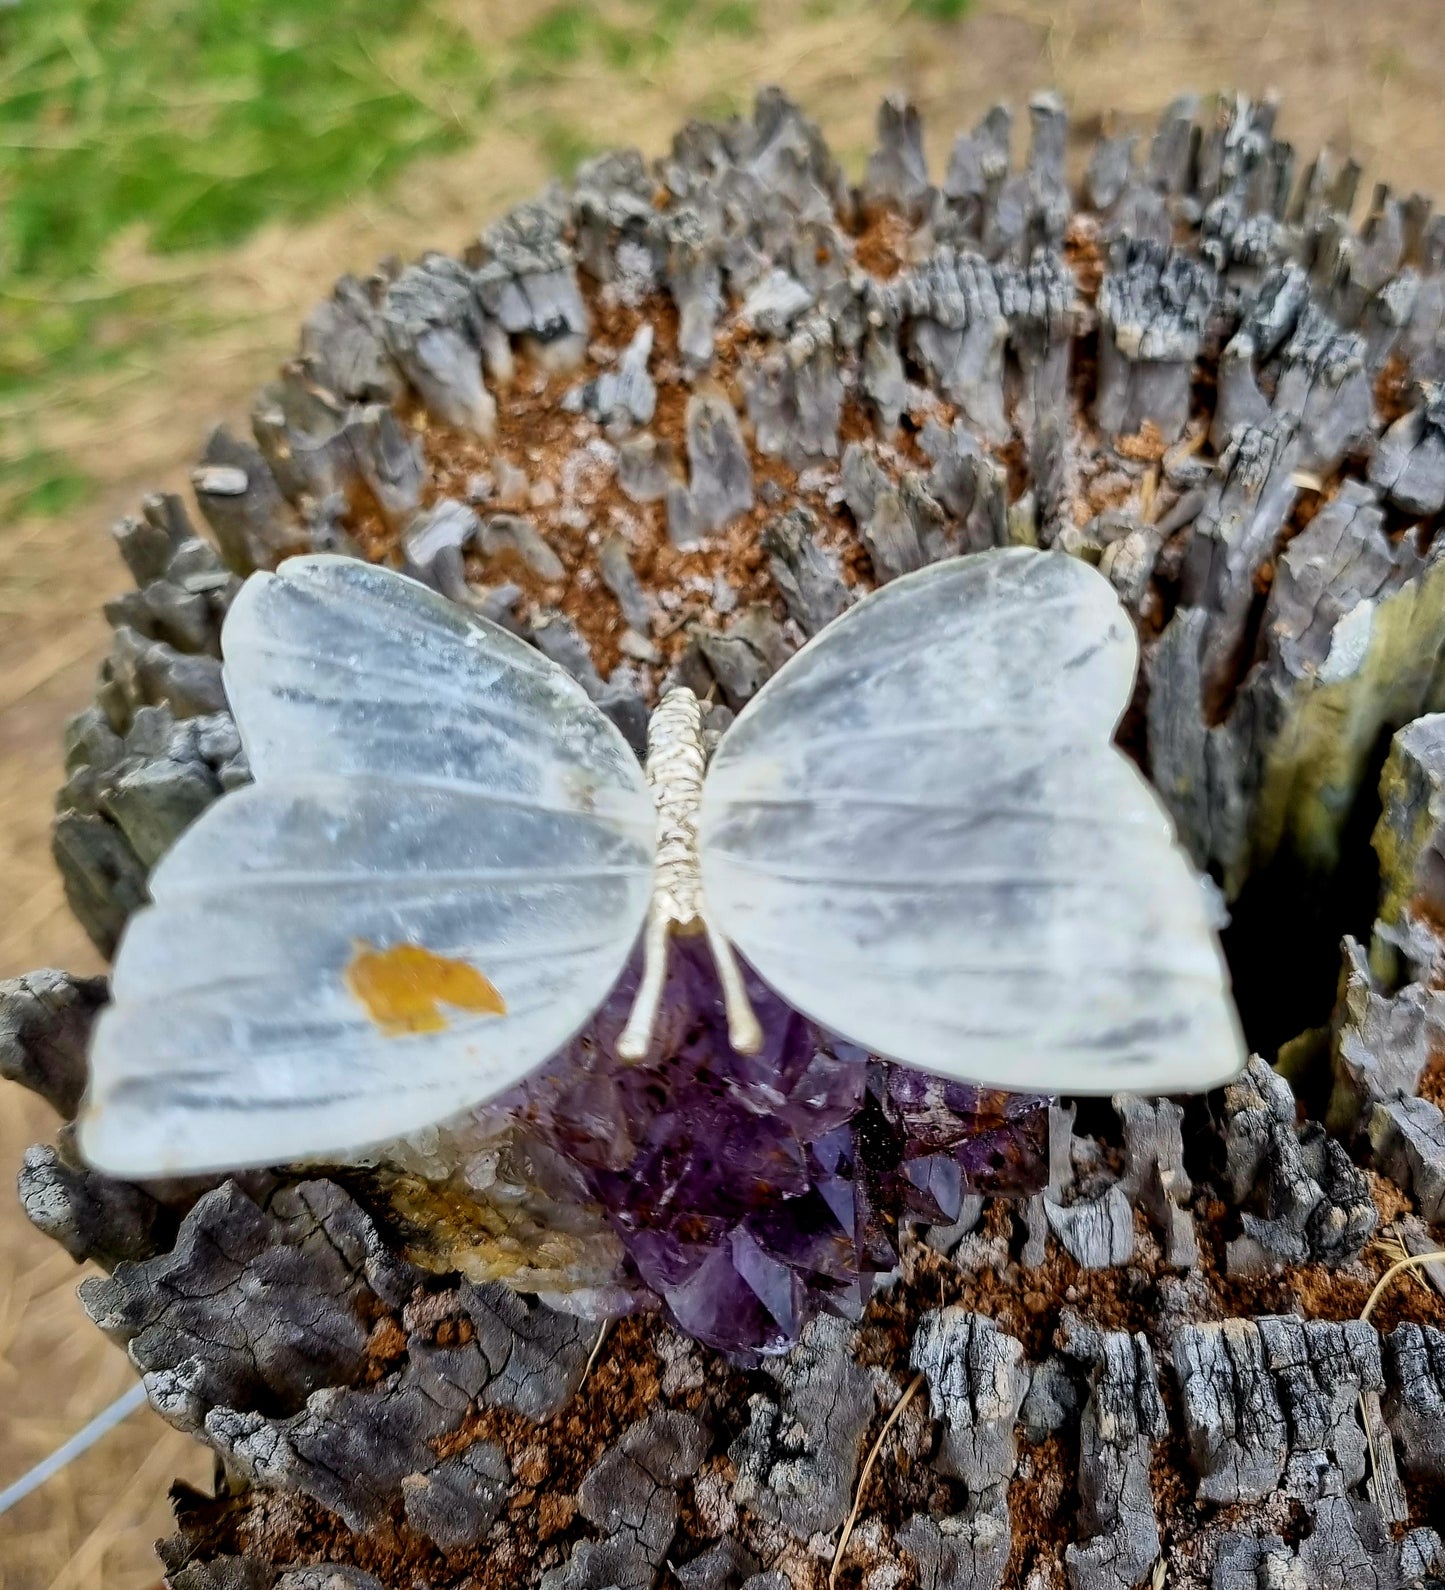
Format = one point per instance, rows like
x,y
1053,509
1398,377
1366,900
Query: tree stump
x,y
614,1330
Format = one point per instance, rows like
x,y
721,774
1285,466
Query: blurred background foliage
x,y
170,126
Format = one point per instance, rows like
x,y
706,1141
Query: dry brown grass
x,y
1352,75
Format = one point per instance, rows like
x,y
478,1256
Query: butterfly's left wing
x,y
438,811
920,834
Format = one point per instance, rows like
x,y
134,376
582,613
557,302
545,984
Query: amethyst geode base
x,y
750,1191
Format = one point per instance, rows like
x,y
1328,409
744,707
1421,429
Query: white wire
x,y
120,1410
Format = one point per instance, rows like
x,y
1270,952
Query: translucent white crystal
x,y
422,777
920,833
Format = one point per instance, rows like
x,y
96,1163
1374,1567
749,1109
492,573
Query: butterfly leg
x,y
637,1034
744,1031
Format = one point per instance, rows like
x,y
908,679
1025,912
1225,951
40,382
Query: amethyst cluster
x,y
751,1191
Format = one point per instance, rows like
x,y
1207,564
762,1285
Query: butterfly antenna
x,y
745,1032
675,762
637,1034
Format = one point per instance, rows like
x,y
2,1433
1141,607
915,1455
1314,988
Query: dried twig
x,y
892,1419
1393,1245
593,1355
1411,1263
1415,1262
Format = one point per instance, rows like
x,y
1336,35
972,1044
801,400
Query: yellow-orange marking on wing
x,y
402,987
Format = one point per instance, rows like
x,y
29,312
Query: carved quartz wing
x,y
422,780
920,834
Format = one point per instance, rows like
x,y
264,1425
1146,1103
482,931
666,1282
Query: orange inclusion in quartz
x,y
402,987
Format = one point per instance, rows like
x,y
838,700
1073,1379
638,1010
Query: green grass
x,y
564,35
191,122
199,118
573,31
563,145
37,481
941,10
175,125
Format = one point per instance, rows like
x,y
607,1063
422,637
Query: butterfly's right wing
x,y
422,778
919,833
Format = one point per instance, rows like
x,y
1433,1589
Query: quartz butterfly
x,y
918,832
